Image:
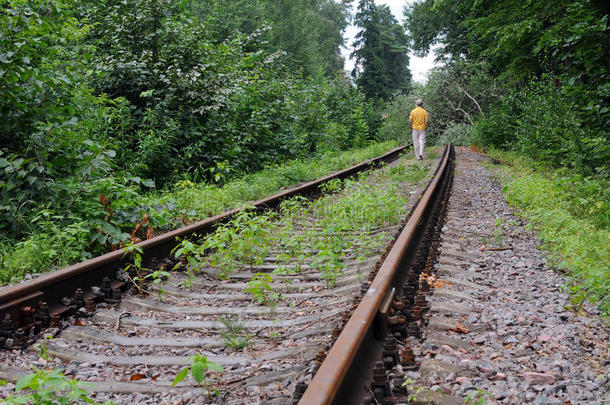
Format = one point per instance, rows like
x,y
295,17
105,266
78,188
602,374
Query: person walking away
x,y
419,123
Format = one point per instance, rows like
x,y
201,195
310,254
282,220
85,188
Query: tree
x,y
549,57
381,52
309,32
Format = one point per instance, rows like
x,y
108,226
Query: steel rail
x,y
331,382
53,286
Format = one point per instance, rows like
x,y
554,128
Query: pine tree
x,y
381,52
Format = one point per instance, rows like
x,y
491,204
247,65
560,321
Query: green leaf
x,y
198,370
25,382
181,376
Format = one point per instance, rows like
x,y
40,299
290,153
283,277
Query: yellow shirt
x,y
419,117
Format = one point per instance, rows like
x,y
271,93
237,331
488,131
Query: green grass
x,y
57,246
570,214
197,201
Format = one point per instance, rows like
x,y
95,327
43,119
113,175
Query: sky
x,y
419,66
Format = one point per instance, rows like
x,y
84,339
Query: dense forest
x,y
105,102
110,109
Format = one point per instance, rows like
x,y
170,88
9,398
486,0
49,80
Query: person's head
x,y
419,102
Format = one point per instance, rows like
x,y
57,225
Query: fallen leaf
x,y
442,284
77,322
136,377
460,328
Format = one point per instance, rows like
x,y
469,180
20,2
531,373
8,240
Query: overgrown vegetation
x,y
234,334
344,222
50,386
532,77
199,367
571,214
184,202
108,106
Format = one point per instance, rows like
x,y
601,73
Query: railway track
x,y
268,321
345,297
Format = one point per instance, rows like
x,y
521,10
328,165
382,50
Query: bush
x,y
545,124
396,125
457,134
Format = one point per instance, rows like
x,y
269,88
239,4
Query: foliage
x,y
309,32
193,257
50,387
545,74
477,397
202,96
363,207
244,240
549,129
142,274
198,368
58,247
381,52
67,238
571,215
395,116
456,134
234,335
103,101
39,67
260,288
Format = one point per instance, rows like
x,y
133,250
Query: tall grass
x,y
570,213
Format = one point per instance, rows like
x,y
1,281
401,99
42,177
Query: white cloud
x,y
419,66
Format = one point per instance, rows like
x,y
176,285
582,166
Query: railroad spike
x,y
56,320
7,327
106,287
89,305
78,300
413,330
380,386
390,353
27,315
364,288
115,297
20,336
42,317
299,390
407,359
425,287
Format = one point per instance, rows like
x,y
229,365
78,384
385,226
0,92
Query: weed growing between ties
x,y
478,397
50,386
260,288
234,334
198,369
571,215
344,220
143,275
193,256
244,240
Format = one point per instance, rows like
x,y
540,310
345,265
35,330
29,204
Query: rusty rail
x,y
22,301
350,362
